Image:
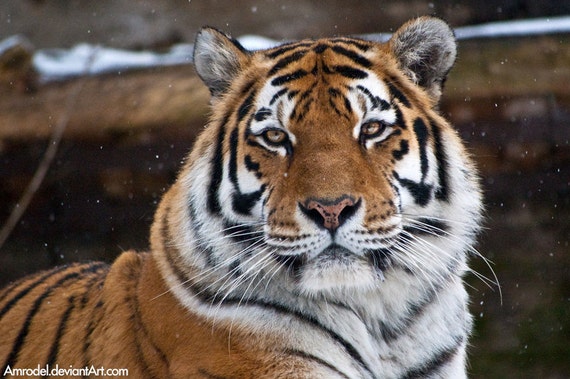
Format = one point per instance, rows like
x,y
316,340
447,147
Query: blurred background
x,y
125,132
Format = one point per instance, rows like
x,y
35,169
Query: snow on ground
x,y
54,64
58,64
538,26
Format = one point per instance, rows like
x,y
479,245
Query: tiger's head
x,y
325,166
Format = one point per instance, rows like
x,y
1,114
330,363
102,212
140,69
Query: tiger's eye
x,y
275,136
372,128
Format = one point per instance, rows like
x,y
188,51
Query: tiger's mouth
x,y
335,258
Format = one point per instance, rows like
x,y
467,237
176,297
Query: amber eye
x,y
275,136
372,129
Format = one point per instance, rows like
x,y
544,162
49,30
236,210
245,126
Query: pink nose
x,y
331,214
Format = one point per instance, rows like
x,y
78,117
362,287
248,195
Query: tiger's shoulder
x,y
99,315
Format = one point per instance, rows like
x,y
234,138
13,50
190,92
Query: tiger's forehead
x,y
321,73
325,59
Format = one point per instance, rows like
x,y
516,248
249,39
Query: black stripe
x,y
442,192
320,48
280,80
33,285
398,94
305,110
334,92
87,293
433,365
422,135
217,170
171,253
275,97
234,268
353,56
245,106
421,191
284,62
25,329
54,350
10,288
139,327
286,48
301,107
245,88
404,149
399,118
239,45
308,93
347,104
95,282
350,72
376,101
317,360
252,166
203,247
241,203
373,99
359,44
263,114
335,108
294,93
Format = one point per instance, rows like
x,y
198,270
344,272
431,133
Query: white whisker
x,y
434,251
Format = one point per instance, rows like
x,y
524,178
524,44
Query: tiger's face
x,y
329,166
322,142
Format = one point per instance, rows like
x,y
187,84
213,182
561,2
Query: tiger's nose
x,y
330,214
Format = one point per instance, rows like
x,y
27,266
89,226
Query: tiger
x,y
320,227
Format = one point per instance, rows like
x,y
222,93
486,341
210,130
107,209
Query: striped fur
x,y
319,229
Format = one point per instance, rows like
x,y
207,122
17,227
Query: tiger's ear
x,y
426,49
218,59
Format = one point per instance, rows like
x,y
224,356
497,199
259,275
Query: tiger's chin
x,y
337,269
